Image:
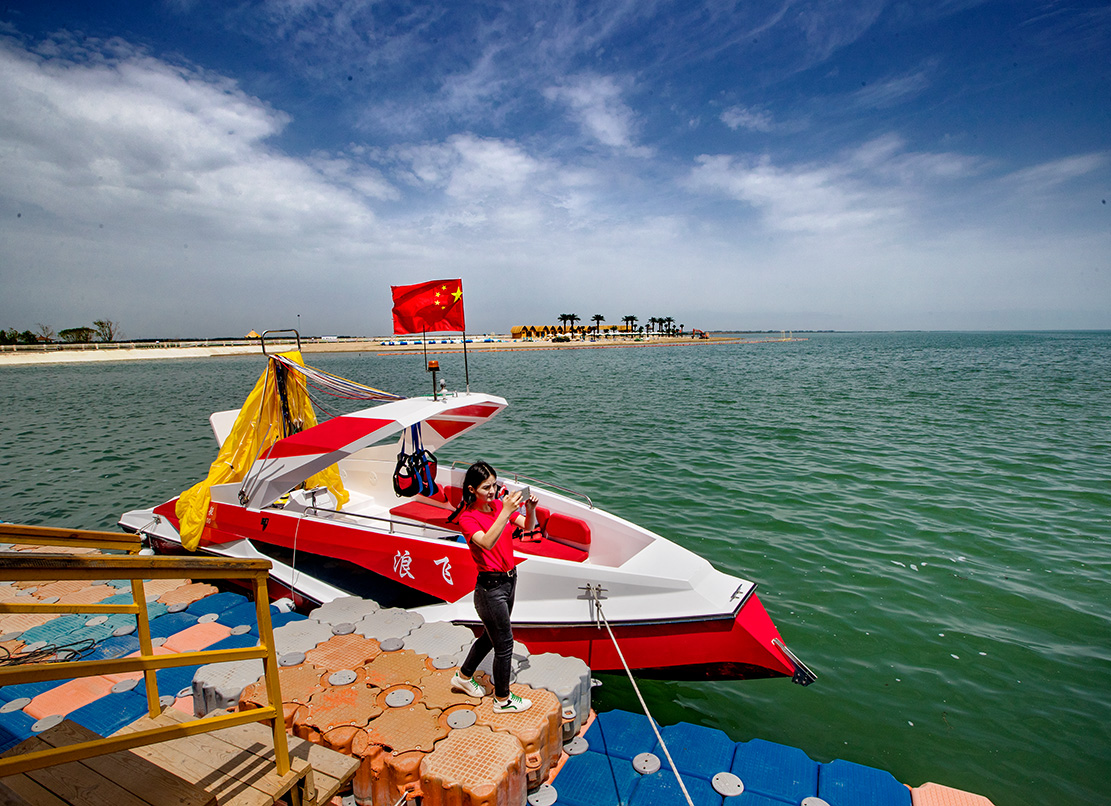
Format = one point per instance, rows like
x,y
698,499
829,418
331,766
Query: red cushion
x,y
570,531
549,548
425,513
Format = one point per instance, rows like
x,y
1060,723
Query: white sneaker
x,y
514,705
467,685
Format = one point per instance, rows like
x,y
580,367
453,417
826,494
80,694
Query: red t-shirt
x,y
500,556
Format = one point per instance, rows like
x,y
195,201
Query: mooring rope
x,y
602,616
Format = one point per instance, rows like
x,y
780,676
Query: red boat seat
x,y
570,541
549,548
569,531
425,513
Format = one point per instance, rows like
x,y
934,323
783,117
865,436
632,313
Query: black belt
x,y
497,575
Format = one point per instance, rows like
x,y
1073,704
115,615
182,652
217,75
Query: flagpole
x,y
466,366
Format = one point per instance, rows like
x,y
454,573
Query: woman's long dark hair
x,y
475,475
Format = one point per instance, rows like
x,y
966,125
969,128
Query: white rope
x,y
651,721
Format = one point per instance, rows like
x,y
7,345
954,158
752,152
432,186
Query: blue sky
x,y
205,168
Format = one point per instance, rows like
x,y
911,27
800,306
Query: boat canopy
x,y
276,408
293,460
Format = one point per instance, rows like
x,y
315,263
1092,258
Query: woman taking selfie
x,y
487,522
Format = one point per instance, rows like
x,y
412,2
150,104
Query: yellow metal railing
x,y
27,566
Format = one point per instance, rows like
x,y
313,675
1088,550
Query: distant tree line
x,y
103,330
663,325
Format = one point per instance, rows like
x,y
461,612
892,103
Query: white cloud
x,y
813,198
597,105
740,117
141,140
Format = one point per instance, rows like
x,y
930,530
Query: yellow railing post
x,y
270,669
17,566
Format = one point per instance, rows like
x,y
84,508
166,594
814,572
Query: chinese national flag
x,y
433,306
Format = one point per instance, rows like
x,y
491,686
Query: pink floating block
x,y
199,636
69,697
937,795
186,594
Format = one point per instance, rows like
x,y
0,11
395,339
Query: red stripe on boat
x,y
328,436
477,410
449,428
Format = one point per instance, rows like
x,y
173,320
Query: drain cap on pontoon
x,y
392,645
444,662
544,796
15,705
727,784
462,718
576,746
399,698
344,677
291,659
343,629
47,722
646,763
208,618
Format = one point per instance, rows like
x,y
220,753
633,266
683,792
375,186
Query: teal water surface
x,y
926,515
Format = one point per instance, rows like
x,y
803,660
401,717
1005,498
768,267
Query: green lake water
x,y
927,515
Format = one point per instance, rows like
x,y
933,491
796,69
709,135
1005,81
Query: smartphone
x,y
526,493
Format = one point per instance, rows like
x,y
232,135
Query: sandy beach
x,y
86,353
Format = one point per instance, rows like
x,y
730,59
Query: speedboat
x,y
321,502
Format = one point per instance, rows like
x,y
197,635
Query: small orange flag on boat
x,y
432,306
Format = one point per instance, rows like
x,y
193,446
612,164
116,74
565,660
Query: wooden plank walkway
x,y
230,767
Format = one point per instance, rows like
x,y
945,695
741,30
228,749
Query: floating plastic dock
x,y
374,683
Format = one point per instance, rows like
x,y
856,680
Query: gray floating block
x,y
438,638
344,610
390,622
520,662
218,685
300,636
568,679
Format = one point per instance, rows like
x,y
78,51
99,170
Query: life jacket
x,y
415,472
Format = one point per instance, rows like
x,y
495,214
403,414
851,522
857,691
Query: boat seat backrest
x,y
567,530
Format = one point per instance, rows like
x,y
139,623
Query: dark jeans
x,y
493,599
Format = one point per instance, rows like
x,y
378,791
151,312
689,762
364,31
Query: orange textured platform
x,y
414,727
932,794
344,652
385,775
298,684
474,766
539,729
334,706
391,668
437,690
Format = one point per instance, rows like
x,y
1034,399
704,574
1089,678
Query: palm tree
x,y
667,321
597,319
572,318
564,318
629,322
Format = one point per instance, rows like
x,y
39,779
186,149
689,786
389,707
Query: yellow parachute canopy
x,y
259,425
